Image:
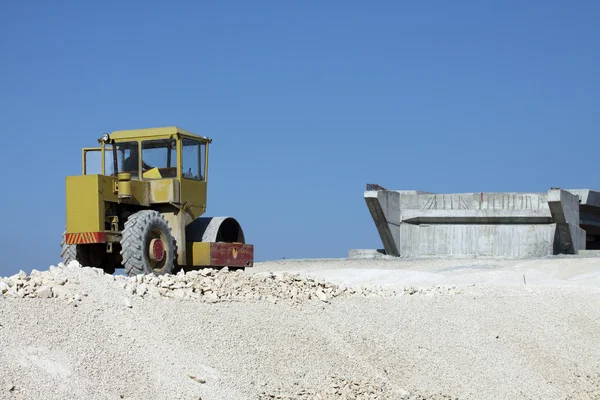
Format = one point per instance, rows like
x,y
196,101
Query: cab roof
x,y
150,132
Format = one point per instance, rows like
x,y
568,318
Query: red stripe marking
x,y
85,237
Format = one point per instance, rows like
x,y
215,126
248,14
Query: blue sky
x,y
306,103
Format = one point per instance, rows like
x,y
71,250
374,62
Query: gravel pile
x,y
351,389
44,285
213,286
209,285
589,385
312,330
436,290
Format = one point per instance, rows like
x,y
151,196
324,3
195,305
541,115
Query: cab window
x,y
93,162
159,158
127,159
193,159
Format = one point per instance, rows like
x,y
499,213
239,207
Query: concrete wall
x,y
484,240
412,223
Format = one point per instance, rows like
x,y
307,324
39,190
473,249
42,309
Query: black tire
x,y
68,252
88,255
140,229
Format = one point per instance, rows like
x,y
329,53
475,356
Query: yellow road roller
x,y
138,205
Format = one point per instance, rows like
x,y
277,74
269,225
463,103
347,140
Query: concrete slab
x,y
515,241
367,254
589,253
414,223
586,196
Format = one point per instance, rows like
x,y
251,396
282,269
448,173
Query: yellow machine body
x,y
160,169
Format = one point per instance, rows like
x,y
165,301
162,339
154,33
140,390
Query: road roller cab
x,y
139,205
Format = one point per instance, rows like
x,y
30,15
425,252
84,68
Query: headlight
x,y
105,138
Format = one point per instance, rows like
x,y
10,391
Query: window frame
x,y
174,158
200,158
108,148
84,160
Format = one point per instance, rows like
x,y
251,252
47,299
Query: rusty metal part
x,y
220,254
231,254
156,250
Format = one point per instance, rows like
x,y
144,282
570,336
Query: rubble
x,y
340,388
58,282
212,285
295,326
208,285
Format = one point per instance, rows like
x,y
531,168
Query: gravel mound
x,y
351,389
356,331
43,285
209,285
223,285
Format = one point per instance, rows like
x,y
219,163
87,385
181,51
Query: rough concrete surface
x,y
356,329
519,225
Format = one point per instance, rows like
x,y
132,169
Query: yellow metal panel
x,y
164,191
153,133
198,254
153,173
194,193
85,206
86,197
149,132
103,160
206,163
140,191
107,188
178,220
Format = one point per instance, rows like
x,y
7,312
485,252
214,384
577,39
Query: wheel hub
x,y
157,250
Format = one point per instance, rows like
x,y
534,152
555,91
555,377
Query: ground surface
x,y
466,329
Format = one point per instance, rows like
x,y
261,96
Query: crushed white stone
x,y
209,285
72,333
340,388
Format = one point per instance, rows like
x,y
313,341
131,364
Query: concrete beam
x,y
564,207
374,201
481,217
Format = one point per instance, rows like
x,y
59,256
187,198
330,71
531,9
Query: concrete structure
x,y
367,253
413,223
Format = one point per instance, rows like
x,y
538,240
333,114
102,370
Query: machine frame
x,y
99,205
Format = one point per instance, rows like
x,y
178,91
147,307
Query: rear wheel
x,y
68,252
88,255
148,247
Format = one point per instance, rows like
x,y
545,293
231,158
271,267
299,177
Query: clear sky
x,y
306,102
